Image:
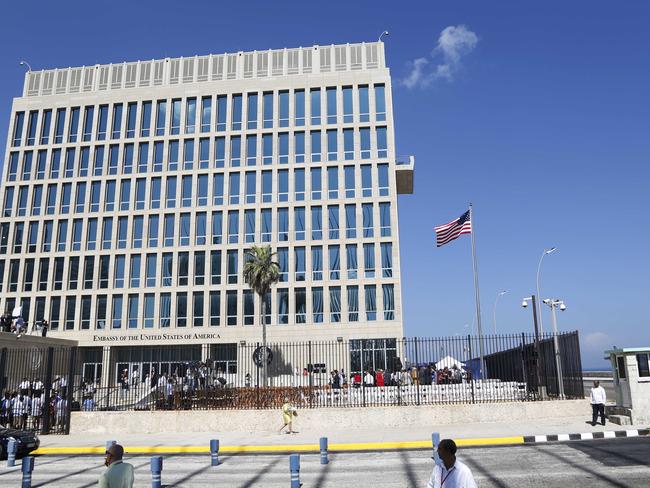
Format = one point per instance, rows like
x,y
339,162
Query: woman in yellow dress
x,y
288,412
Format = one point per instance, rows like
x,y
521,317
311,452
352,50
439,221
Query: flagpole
x,y
478,296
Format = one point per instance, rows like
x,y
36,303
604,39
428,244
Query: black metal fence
x,y
355,373
34,391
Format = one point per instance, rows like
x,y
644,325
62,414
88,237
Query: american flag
x,y
448,232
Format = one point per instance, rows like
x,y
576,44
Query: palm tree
x,y
261,272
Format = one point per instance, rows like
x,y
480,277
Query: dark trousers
x,y
598,409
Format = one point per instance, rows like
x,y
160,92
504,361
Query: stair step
x,y
620,419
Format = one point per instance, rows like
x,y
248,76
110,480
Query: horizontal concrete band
x,y
260,421
344,447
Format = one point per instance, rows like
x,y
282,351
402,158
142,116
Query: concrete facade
x,y
370,418
632,382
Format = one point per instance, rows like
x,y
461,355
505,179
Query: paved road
x,y
602,463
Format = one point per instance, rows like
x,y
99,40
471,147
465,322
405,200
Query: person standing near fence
x,y
451,472
288,412
37,411
598,399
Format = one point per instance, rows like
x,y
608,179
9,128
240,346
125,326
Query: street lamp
x,y
538,358
554,305
539,268
494,312
385,33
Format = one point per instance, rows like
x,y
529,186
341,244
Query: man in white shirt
x,y
598,399
450,473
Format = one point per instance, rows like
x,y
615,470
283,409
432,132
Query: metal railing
x,y
356,373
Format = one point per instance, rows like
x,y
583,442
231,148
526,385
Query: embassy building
x,y
131,192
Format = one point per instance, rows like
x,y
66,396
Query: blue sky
x,y
539,114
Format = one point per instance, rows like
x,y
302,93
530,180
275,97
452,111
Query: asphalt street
x,y
599,463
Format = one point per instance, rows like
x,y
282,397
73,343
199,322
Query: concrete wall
x,y
639,391
269,420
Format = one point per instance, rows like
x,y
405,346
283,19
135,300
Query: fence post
x,y
469,354
47,384
257,384
72,362
310,370
363,382
27,468
11,452
3,366
214,451
323,451
156,471
417,367
294,466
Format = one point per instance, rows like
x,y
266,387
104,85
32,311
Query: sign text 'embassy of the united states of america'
x,y
155,337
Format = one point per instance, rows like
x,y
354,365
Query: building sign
x,y
155,337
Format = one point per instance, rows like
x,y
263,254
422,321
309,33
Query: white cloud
x,y
453,43
597,341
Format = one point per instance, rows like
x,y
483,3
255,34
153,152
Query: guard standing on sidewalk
x,y
598,399
450,473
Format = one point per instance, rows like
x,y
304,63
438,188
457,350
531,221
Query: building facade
x,y
131,192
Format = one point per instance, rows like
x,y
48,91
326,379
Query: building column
x,y
106,366
205,352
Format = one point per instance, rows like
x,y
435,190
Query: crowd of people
x,y
423,375
23,408
16,325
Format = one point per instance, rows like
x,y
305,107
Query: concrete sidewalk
x,y
497,432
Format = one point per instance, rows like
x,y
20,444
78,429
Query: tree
x,y
261,272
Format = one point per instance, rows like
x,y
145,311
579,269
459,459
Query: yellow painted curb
x,y
360,446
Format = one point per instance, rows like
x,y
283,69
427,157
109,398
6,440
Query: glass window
x,y
153,230
197,309
204,153
102,122
22,200
643,364
113,153
351,221
18,236
233,226
222,104
267,102
169,230
235,151
333,182
154,201
316,149
188,153
316,263
134,271
107,232
132,312
314,95
283,306
143,157
122,229
371,302
181,309
349,182
176,117
118,271
364,104
283,184
231,262
283,148
348,144
299,107
40,165
183,268
51,199
215,308
117,121
267,186
386,260
77,233
316,223
145,120
334,262
366,180
369,260
215,267
170,193
299,147
301,305
351,258
116,322
167,268
199,267
161,117
353,303
251,150
384,219
190,116
131,117
348,112
184,225
19,120
335,304
283,264
9,201
149,304
267,225
364,133
249,220
231,307
332,147
251,112
140,187
59,126
65,198
172,156
151,271
125,195
70,307
89,272
55,163
91,239
284,109
127,167
299,184
299,263
267,149
46,126
202,190
84,161
206,113
69,162
331,105
217,224
89,112
13,167
165,310
236,112
250,186
249,307
283,224
382,144
37,199
380,103
389,301
317,304
368,230
186,191
299,223
73,129
31,127
217,189
98,168
200,226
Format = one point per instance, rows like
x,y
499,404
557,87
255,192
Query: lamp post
x,y
539,268
494,312
538,358
385,33
25,63
554,304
